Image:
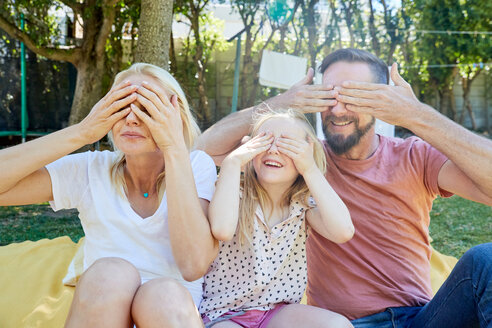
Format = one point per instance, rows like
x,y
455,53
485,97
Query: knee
x,y
108,281
163,297
341,322
479,255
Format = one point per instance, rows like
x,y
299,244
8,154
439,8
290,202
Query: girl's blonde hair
x,y
254,193
190,128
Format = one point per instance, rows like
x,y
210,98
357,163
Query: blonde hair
x,y
190,128
254,193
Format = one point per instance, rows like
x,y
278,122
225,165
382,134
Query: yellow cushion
x,y
441,267
32,292
33,295
76,267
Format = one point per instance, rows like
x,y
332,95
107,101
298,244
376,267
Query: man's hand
x,y
394,104
305,96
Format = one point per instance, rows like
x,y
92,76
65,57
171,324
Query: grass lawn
x,y
456,224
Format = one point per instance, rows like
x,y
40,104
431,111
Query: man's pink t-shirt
x,y
386,264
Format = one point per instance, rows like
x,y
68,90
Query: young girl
x,y
259,275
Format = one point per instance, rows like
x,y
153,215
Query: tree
x,y
439,51
311,22
352,15
193,10
474,50
248,10
87,55
154,32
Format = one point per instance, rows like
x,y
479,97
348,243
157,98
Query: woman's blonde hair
x,y
254,193
190,128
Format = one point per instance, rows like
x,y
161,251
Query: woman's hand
x,y
299,150
161,115
106,112
247,151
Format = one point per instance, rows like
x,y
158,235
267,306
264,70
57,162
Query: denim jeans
x,y
463,301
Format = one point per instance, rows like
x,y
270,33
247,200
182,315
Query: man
x,y
381,278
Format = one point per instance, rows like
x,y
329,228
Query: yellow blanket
x,y
32,293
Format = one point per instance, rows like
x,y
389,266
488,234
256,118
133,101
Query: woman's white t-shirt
x,y
112,228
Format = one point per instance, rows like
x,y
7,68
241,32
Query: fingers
x,y
174,102
317,92
119,115
146,119
119,86
396,77
116,105
149,106
154,93
362,85
245,139
288,152
261,140
115,95
356,93
307,79
360,109
355,100
294,145
155,101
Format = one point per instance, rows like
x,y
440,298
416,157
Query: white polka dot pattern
x,y
272,270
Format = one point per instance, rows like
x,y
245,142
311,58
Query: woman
x,y
148,241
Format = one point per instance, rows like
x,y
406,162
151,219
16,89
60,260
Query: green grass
x,y
34,222
456,224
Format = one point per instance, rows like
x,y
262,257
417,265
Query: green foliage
x,y
442,48
280,11
41,23
474,49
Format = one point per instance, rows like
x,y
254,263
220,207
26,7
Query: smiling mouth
x,y
341,123
273,164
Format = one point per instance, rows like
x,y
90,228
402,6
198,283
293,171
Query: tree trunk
x,y
247,71
310,19
154,32
173,65
467,104
203,105
87,90
376,47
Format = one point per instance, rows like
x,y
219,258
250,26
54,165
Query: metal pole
x,y
236,74
23,88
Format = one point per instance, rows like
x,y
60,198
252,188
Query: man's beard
x,y
337,142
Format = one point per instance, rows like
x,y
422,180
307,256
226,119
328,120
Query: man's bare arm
x,y
224,136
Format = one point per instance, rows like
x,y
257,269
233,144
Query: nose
x,y
132,119
339,109
273,148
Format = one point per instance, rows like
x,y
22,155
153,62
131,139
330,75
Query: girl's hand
x,y
107,111
247,151
299,150
161,114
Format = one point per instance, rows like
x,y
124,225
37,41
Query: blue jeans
x,y
463,301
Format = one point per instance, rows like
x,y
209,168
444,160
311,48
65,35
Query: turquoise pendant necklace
x,y
146,194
